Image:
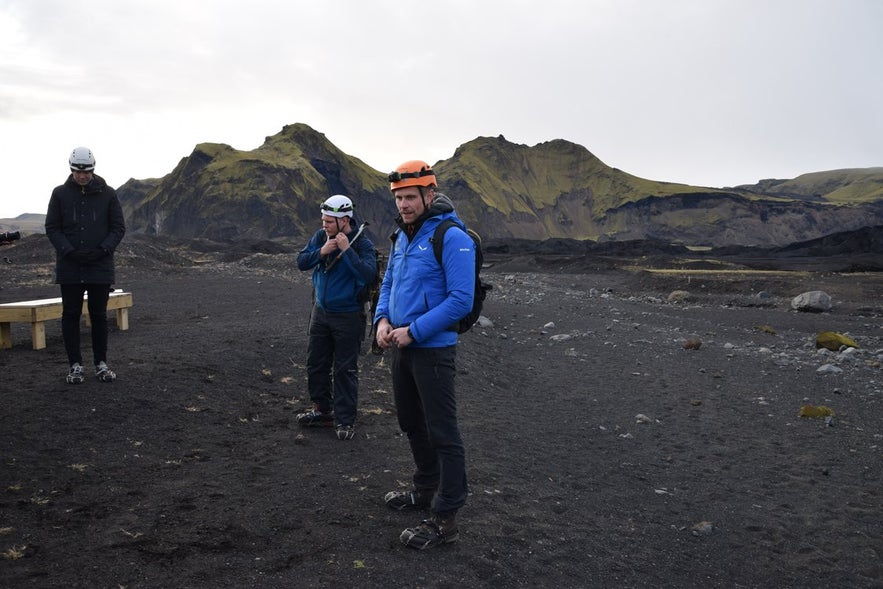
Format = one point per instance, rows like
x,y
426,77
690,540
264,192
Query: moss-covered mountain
x,y
555,189
274,191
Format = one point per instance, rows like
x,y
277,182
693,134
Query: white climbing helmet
x,y
82,160
338,206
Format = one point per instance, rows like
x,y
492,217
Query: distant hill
x,y
552,190
26,223
836,186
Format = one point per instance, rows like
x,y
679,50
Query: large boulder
x,y
814,301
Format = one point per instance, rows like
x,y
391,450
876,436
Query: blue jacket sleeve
x,y
361,260
309,256
458,263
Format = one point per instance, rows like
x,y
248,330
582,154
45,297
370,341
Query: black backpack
x,y
371,292
481,287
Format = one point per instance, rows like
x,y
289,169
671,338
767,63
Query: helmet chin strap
x,y
423,199
337,222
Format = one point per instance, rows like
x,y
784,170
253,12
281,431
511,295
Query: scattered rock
x,y
484,322
678,296
693,343
848,355
703,528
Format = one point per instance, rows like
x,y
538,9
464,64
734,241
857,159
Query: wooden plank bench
x,y
38,312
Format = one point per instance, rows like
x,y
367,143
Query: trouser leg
x,y
97,305
440,408
320,352
71,311
346,328
409,411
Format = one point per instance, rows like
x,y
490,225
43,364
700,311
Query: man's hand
x,y
384,329
343,242
88,256
388,337
339,242
77,255
401,336
328,248
94,255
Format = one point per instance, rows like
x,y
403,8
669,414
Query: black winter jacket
x,y
84,218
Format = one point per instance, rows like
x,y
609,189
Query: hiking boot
x,y
315,417
346,432
439,529
103,373
75,376
409,500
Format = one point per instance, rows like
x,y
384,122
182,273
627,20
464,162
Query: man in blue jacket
x,y
419,303
342,265
85,224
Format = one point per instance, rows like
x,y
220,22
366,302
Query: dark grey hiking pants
x,y
335,340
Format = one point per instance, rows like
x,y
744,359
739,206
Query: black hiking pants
x,y
426,403
72,310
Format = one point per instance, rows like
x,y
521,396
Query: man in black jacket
x,y
85,223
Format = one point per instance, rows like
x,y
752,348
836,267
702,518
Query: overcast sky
x,y
705,92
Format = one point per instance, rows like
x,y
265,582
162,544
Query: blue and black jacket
x,y
338,290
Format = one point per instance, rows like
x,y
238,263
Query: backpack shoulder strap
x,y
438,238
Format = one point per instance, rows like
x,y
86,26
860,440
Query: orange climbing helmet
x,y
412,173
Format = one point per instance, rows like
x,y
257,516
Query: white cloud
x,y
713,93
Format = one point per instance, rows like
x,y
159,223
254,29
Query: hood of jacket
x,y
96,184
